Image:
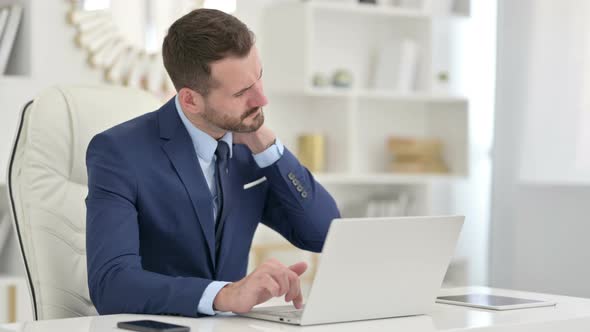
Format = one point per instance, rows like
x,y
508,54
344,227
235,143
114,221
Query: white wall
x,y
556,116
539,232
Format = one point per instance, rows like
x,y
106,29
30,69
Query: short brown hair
x,y
199,38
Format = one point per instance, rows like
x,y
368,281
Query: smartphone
x,y
152,326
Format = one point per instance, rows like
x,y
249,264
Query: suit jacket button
x,y
304,194
291,176
299,188
295,182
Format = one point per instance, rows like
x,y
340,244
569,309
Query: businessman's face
x,y
236,99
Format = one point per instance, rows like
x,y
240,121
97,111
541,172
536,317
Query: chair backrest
x,y
47,186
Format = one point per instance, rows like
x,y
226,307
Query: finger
x,y
294,286
281,277
298,268
279,272
298,301
271,286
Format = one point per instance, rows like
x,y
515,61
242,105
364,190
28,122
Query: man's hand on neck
x,y
257,141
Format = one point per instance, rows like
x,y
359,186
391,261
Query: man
x,y
176,195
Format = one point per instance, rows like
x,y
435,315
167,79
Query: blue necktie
x,y
221,174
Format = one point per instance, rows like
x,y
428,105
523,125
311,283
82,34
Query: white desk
x,y
571,314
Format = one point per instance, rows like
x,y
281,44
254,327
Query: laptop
x,y
374,268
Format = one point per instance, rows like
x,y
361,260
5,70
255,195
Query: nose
x,y
257,97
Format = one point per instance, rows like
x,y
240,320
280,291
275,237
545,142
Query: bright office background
x,y
522,66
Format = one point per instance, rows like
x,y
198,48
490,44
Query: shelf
x,y
423,97
412,96
7,79
370,9
384,178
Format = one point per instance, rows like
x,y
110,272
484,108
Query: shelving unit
x,y
301,39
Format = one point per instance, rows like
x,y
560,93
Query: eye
x,y
239,94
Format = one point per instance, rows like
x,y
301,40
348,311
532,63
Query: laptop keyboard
x,y
284,311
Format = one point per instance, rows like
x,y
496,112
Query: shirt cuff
x,y
206,303
270,155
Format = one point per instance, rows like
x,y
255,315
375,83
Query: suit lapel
x,y
178,147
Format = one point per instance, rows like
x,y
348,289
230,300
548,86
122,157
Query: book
x,y
385,67
9,35
395,66
414,146
416,155
408,65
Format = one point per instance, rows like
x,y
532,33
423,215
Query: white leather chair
x,y
47,186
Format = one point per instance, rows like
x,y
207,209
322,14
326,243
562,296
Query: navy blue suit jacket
x,y
150,236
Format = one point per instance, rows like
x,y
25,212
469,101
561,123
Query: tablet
x,y
494,302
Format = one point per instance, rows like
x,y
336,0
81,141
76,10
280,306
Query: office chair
x,y
47,185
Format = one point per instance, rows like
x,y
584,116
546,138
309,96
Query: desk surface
x,y
570,314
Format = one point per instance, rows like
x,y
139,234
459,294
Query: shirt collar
x,y
204,144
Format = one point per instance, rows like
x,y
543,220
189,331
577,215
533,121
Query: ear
x,y
191,101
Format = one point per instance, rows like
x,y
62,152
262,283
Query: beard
x,y
235,124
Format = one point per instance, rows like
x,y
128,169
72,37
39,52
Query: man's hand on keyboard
x,y
271,279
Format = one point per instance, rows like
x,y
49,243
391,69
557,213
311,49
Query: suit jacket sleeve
x,y
297,206
116,279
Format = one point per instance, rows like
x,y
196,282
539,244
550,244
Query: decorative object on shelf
x,y
368,1
414,155
320,80
127,47
396,206
443,77
342,78
10,18
12,304
310,151
441,83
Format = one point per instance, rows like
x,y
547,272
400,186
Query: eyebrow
x,y
250,86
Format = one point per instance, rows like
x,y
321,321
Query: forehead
x,y
236,73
